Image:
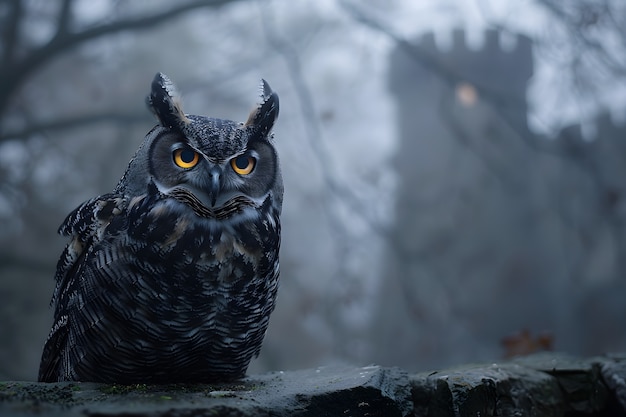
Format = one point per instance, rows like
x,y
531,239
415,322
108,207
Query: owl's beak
x,y
215,184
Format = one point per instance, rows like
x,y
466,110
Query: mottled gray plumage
x,y
172,277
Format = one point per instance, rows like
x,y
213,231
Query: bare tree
x,y
22,57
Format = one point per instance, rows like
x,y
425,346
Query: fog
x,y
454,170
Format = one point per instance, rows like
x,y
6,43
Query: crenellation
x,y
523,46
605,129
572,141
491,48
492,42
606,126
490,66
572,133
459,42
427,42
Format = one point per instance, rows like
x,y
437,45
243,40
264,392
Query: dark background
x,y
454,170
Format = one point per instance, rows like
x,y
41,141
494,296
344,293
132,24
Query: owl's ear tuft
x,y
164,101
264,116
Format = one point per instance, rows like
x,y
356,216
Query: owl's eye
x,y
243,165
186,158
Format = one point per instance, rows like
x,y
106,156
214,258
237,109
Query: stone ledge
x,y
538,385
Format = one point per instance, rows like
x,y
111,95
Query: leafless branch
x,y
64,20
313,133
11,30
578,24
74,122
12,77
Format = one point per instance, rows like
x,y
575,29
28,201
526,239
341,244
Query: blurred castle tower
x,y
492,236
437,113
458,247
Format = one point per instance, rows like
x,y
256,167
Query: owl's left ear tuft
x,y
266,113
164,101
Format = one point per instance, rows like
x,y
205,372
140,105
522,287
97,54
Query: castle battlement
x,y
504,71
492,65
421,75
605,128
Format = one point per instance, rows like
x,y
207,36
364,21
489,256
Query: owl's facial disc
x,y
209,180
213,183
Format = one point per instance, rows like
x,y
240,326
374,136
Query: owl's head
x,y
210,164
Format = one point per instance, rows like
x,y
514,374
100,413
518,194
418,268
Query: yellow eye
x,y
186,158
243,165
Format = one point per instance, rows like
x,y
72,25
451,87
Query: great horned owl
x,y
172,277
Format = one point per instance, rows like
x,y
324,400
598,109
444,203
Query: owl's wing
x,y
85,226
51,356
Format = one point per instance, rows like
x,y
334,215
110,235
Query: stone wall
x,y
539,385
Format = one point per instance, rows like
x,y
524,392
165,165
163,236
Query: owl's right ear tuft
x,y
164,101
265,114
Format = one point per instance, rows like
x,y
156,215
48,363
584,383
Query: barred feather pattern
x,y
146,293
173,276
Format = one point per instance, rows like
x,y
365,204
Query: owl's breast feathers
x,y
155,288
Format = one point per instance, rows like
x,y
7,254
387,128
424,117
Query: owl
x,y
172,277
